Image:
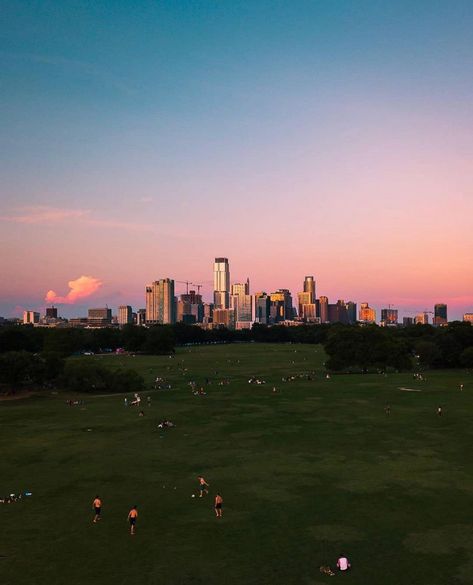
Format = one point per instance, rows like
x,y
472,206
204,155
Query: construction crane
x,y
188,282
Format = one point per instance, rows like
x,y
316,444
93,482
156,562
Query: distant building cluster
x,y
235,307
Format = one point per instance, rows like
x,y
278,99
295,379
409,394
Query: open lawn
x,y
312,470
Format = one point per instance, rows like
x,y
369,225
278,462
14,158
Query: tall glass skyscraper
x,y
221,283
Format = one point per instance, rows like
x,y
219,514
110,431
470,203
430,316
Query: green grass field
x,y
310,471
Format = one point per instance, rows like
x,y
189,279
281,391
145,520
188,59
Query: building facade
x,y
221,283
160,302
125,315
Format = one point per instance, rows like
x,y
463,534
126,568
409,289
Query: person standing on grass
x,y
132,517
218,505
439,411
343,563
203,485
97,505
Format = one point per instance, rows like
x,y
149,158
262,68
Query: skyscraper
x,y
125,315
440,314
367,314
262,308
309,287
242,302
160,302
323,309
389,316
221,283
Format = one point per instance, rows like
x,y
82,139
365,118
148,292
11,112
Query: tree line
x,y
37,356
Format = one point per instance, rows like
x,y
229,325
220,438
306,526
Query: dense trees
x,y
35,354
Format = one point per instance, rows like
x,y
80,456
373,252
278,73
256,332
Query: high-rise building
x,y
262,303
323,309
338,313
440,314
351,312
160,302
208,313
30,317
125,315
242,302
422,318
190,308
281,306
309,287
468,318
224,317
99,317
141,317
51,312
367,313
407,321
303,298
221,283
389,316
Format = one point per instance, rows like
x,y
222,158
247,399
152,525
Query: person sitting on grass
x,y
343,563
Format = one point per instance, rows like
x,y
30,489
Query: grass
x,y
310,471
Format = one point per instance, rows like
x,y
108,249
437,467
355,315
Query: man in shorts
x,y
132,517
218,505
203,485
97,505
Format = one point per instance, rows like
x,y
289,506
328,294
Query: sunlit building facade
x,y
221,283
160,302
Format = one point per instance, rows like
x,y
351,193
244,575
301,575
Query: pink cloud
x,y
44,214
82,287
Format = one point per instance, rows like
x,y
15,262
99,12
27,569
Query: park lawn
x,y
312,470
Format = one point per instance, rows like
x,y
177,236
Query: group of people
x,y
133,513
343,564
218,502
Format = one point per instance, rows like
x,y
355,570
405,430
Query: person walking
x,y
132,518
97,506
218,505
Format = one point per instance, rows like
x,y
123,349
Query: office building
x,y
440,314
224,317
309,287
221,283
407,321
351,312
160,302
367,314
421,318
30,318
125,315
190,308
262,304
337,313
468,318
389,316
208,313
101,317
303,298
242,303
281,308
323,309
141,317
51,312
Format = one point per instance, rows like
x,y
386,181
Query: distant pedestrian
x,y
126,401
97,506
203,485
387,409
132,518
218,505
439,411
343,563
149,400
461,387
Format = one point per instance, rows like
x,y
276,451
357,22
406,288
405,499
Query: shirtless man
x,y
97,506
132,517
218,505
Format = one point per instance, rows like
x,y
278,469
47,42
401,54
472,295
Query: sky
x,y
140,140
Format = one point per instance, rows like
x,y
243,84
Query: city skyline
x,y
222,282
293,138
